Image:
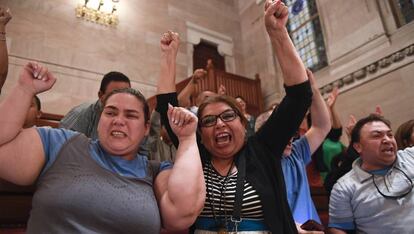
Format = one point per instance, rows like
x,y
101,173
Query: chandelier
x,y
98,11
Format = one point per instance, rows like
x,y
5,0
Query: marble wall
x,y
80,52
369,57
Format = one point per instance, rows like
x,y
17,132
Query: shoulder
x,y
84,107
55,133
407,152
347,182
302,142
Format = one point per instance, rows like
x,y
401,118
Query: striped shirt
x,y
221,194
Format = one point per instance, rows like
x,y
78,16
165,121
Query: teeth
x,y
118,134
223,137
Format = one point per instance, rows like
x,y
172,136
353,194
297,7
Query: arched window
x,y
305,30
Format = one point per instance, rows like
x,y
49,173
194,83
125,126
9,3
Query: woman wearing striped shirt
x,y
244,180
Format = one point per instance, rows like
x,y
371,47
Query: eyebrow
x,y
380,131
127,110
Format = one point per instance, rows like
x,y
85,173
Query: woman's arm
x,y
284,121
21,151
166,93
181,191
290,62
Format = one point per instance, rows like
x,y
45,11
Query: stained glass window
x,y
404,11
306,33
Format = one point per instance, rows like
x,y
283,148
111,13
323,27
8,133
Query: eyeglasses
x,y
211,120
403,190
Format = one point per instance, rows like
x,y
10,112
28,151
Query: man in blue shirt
x,y
297,155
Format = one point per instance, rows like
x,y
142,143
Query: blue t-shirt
x,y
297,185
54,138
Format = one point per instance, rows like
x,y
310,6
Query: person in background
x,y
297,155
102,185
261,119
331,146
5,17
188,93
158,142
405,135
376,195
251,120
244,179
85,117
34,113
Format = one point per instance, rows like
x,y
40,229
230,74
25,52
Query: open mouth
x,y
223,138
388,150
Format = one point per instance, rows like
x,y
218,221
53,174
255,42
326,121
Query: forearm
x,y
185,94
336,121
291,64
166,82
13,111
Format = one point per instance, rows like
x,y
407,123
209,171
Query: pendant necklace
x,y
221,226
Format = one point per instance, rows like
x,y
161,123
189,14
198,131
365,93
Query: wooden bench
x,y
321,200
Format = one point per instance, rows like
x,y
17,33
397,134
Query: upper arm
x,y
22,159
169,214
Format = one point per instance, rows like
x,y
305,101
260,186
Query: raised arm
x,y
181,191
276,16
285,121
184,97
21,151
166,92
321,123
331,101
5,17
169,48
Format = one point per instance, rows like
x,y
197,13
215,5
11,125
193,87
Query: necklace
x,y
221,224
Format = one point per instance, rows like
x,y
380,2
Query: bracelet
x,y
2,36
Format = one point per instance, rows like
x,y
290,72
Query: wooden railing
x,y
48,119
235,85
